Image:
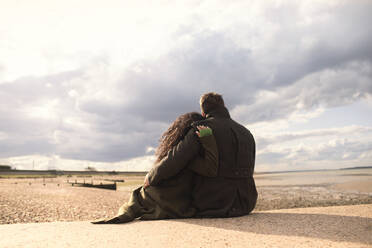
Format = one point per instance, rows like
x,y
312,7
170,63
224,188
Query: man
x,y
231,190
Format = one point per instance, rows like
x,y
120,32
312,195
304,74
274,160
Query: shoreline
x,y
55,199
50,200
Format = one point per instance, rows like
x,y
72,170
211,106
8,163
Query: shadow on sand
x,y
330,227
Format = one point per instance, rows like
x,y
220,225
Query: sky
x,y
95,83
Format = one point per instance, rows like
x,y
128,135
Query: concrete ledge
x,y
342,226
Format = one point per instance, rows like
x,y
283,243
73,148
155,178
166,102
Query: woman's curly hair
x,y
175,133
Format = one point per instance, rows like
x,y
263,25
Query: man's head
x,y
210,101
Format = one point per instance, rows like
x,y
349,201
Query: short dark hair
x,y
210,101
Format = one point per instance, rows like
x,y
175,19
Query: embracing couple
x,y
204,168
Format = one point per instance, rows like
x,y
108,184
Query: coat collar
x,y
220,112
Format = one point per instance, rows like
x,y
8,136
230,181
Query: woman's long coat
x,y
171,197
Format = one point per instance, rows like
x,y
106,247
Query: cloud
x,y
327,88
39,116
350,145
280,61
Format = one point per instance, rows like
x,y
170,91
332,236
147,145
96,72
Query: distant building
x,y
5,167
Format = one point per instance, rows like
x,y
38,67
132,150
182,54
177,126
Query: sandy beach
x,y
301,209
53,199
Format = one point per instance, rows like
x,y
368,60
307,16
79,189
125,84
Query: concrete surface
x,y
342,226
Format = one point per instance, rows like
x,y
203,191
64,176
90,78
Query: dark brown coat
x,y
232,192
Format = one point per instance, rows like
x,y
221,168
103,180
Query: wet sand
x,y
360,186
311,189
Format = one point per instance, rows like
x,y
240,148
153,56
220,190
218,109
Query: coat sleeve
x,y
176,159
206,165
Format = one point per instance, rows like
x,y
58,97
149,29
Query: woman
x,y
171,197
